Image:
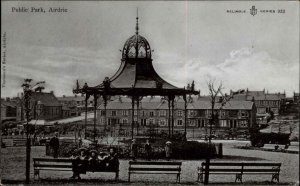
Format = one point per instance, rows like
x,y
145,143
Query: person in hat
x,y
54,145
148,149
79,164
134,149
168,150
113,161
102,159
93,160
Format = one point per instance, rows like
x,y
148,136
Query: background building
x,y
264,101
44,106
74,105
153,115
8,110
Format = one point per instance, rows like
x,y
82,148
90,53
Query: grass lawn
x,y
13,170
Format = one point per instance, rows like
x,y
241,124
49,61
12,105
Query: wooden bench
x,y
63,164
240,168
154,167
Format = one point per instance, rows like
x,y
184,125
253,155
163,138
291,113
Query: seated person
x,y
103,159
79,164
113,161
93,160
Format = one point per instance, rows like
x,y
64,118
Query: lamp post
x,y
28,89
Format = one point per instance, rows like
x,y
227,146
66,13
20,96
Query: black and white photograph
x,y
149,93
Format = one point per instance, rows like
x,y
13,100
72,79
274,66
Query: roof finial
x,y
137,22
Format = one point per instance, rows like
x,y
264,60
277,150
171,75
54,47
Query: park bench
x,y
64,164
155,167
240,168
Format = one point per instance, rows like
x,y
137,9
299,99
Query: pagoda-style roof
x,y
136,74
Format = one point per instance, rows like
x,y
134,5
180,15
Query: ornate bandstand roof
x,y
136,74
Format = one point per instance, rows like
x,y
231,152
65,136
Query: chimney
x,y
52,92
75,95
64,96
7,99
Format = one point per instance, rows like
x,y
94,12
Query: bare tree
x,y
216,96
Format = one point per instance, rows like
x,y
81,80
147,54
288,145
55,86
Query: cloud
x,y
61,67
244,68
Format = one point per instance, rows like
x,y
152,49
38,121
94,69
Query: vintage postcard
x,y
144,93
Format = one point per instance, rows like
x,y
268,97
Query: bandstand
x,y
136,78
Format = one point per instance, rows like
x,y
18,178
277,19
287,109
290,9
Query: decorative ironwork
x,y
106,83
136,44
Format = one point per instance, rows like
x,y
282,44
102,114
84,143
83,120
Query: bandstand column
x,y
105,114
132,116
137,115
95,117
169,120
172,119
85,118
185,115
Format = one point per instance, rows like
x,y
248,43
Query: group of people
x,y
148,150
93,161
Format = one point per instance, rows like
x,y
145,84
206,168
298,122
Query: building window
x,y
234,124
233,113
162,113
223,123
113,113
151,114
179,122
124,121
124,113
192,113
243,114
192,122
143,113
102,112
162,122
179,113
135,112
151,121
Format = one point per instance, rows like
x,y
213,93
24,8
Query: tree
x,y
28,89
214,93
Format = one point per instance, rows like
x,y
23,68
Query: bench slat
x,y
53,165
153,169
52,160
241,163
244,170
261,170
224,170
49,169
153,163
153,172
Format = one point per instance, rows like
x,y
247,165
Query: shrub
x,y
259,139
193,150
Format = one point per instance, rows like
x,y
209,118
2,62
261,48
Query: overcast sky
x,y
191,41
